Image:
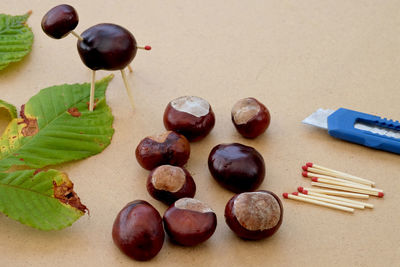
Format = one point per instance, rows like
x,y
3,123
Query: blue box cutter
x,y
360,128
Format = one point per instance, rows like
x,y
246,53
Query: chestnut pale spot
x,y
192,204
244,110
256,211
160,138
168,178
193,105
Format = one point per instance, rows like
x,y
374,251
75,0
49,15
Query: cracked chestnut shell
x,y
254,215
166,148
168,183
250,117
138,230
236,167
107,46
59,21
189,222
190,116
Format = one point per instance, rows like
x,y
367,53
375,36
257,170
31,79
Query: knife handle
x,y
341,125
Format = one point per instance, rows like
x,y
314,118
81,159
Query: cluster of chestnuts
x,y
138,229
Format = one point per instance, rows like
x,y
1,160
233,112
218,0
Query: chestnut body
x,y
254,215
189,222
250,117
168,183
190,116
237,167
59,21
138,231
107,46
167,148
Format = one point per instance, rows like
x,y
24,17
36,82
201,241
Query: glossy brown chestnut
x,y
250,117
236,167
254,215
189,222
191,116
166,148
138,230
169,183
59,21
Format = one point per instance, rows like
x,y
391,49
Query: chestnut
x,y
250,117
169,183
166,148
138,230
191,116
254,215
236,167
189,222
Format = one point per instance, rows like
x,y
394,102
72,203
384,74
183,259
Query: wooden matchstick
x,y
92,88
349,176
130,68
339,180
328,200
348,189
128,88
343,199
77,35
328,181
317,202
336,193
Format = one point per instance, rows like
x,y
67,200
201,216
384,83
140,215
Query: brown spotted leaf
x,y
44,200
56,126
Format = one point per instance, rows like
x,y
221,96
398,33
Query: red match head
x,y
309,164
285,195
300,189
304,168
295,193
305,192
305,174
314,179
380,194
147,47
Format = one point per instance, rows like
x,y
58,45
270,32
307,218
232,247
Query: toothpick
x,y
128,89
130,68
92,85
77,35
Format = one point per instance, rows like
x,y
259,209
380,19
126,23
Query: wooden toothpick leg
x,y
128,89
130,68
77,35
92,84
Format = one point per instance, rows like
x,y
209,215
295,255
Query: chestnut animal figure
x,y
254,215
103,46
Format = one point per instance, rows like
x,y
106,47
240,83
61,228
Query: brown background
x,y
295,56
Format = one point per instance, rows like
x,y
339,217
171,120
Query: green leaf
x,y
12,111
43,200
16,38
56,127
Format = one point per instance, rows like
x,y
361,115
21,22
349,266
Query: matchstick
x,y
130,68
349,176
328,181
333,201
317,202
335,193
337,175
343,199
348,189
339,180
127,87
77,35
92,88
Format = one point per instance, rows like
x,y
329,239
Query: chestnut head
x,y
166,148
250,117
236,167
189,222
138,231
254,215
59,21
190,116
168,183
107,46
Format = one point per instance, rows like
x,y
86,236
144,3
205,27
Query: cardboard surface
x,y
294,56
